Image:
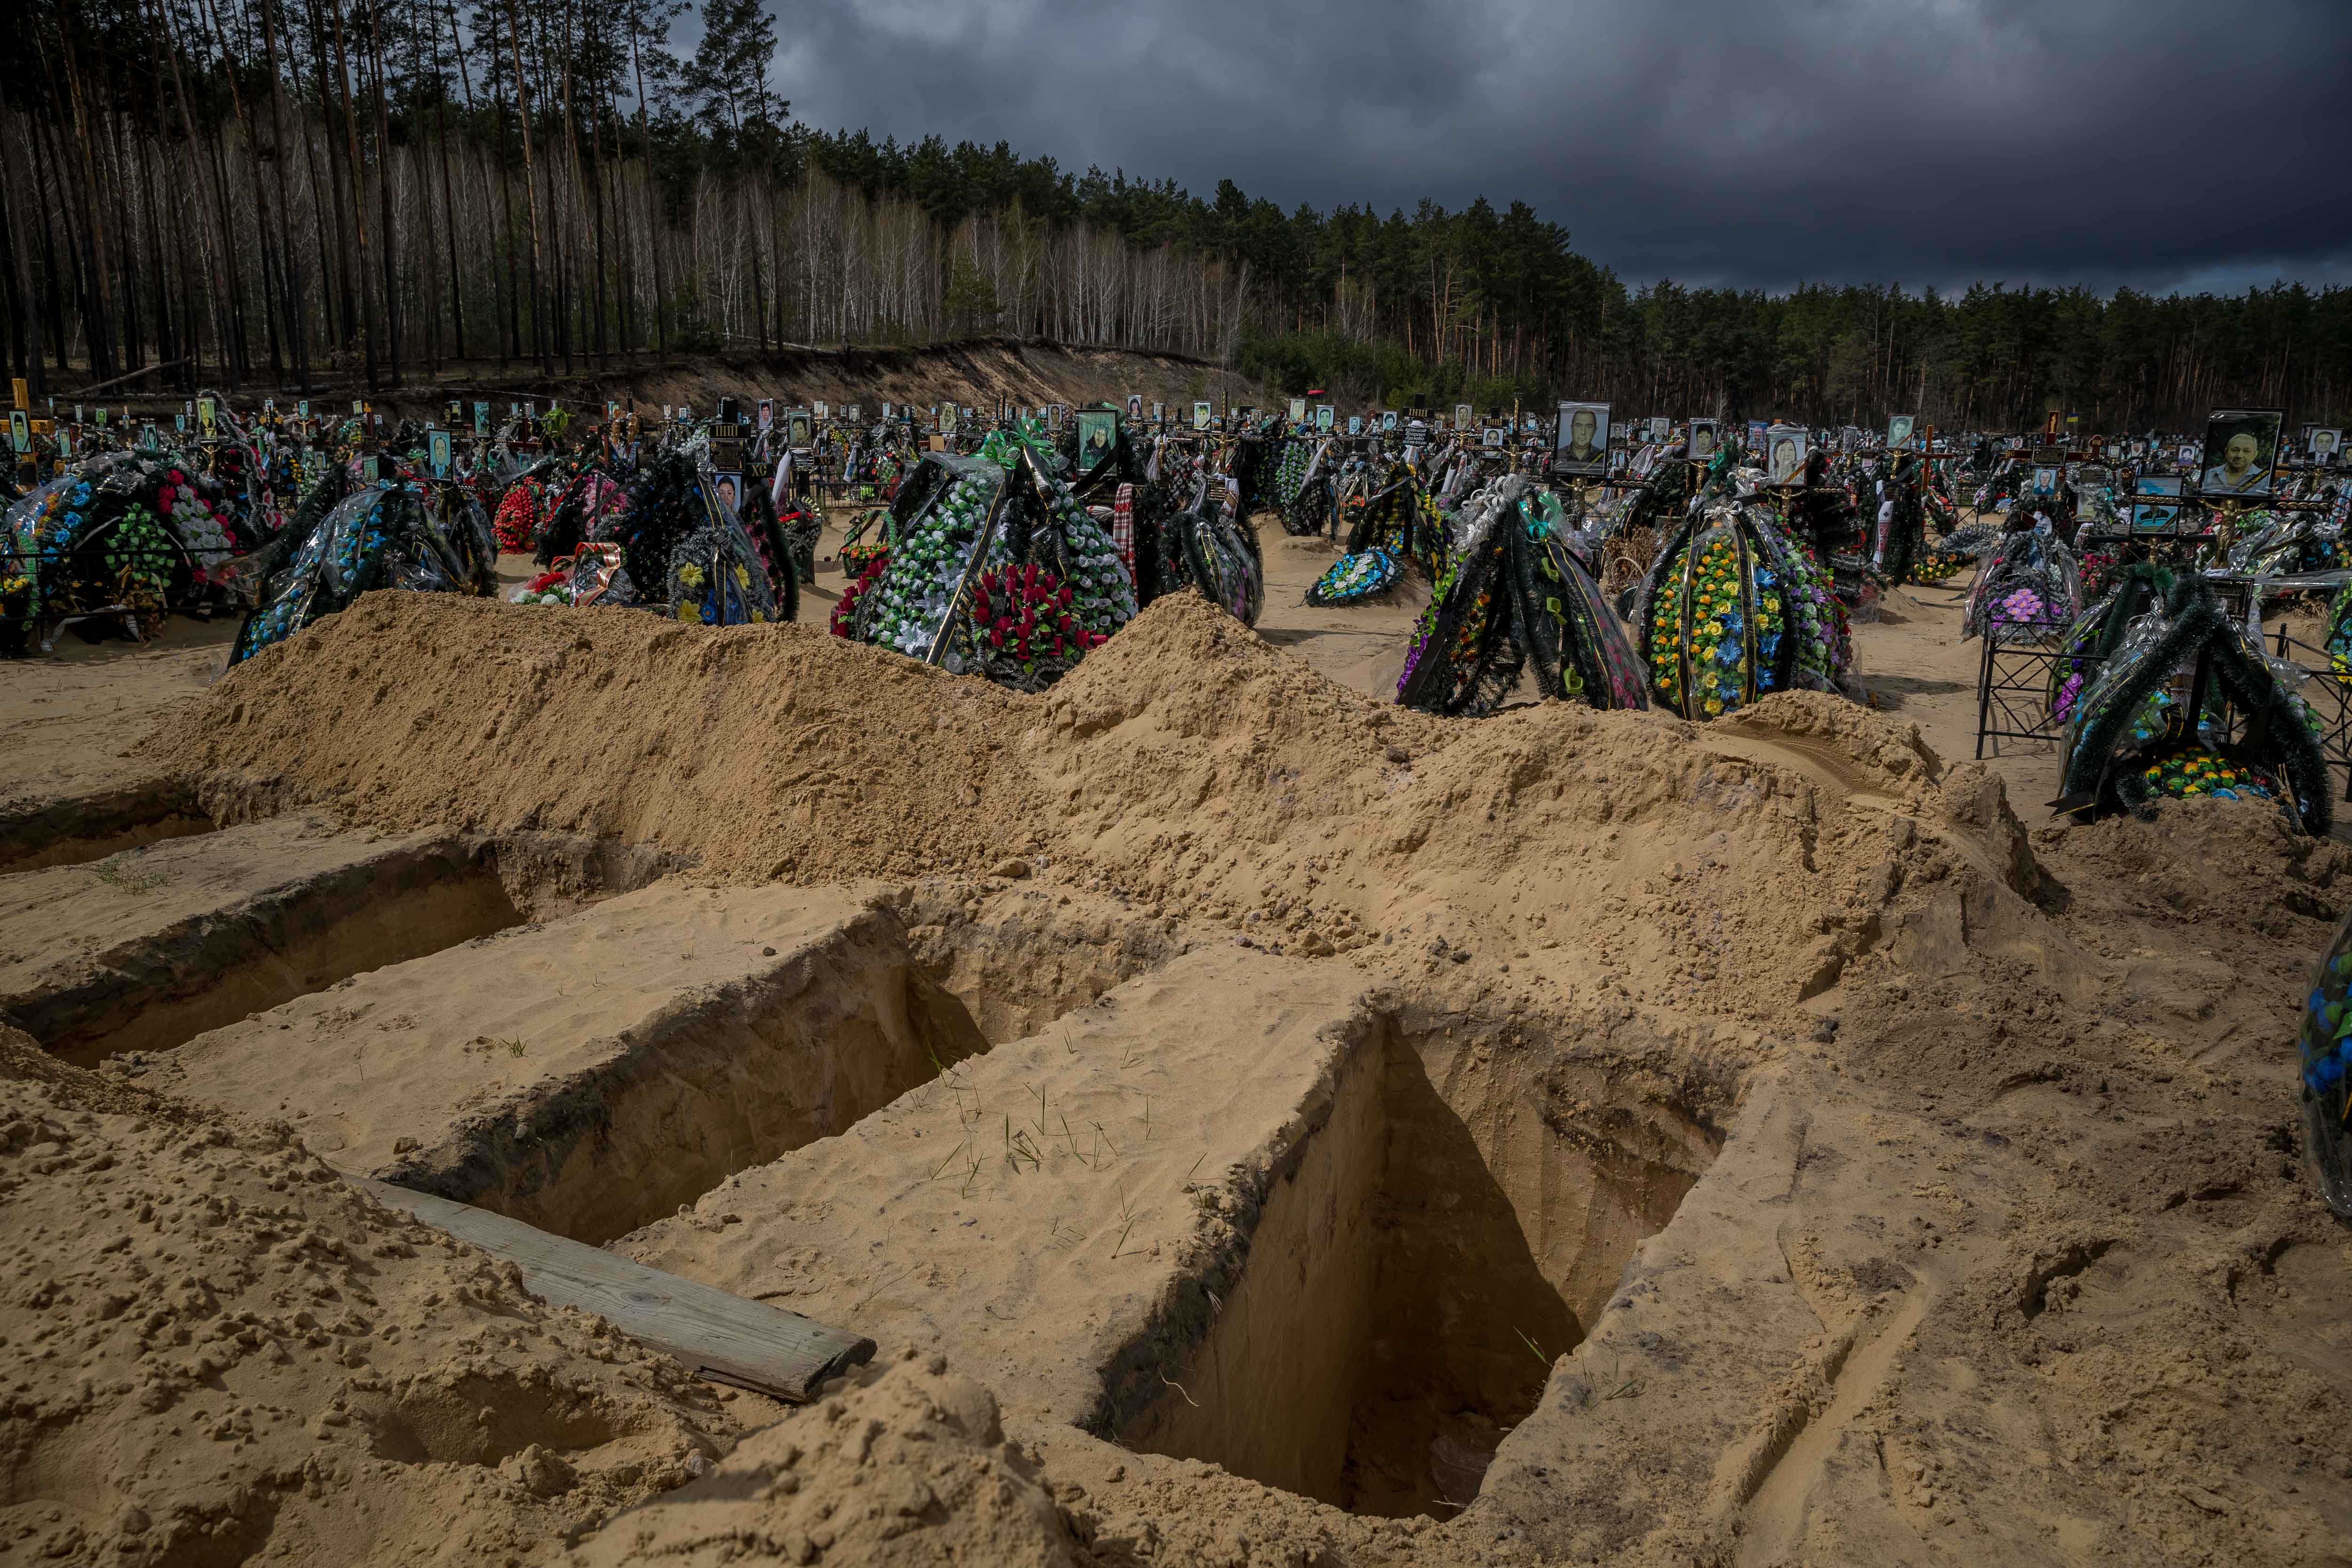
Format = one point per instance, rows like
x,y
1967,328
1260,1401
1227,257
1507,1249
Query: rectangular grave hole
x,y
1411,1281
720,1081
71,832
594,1074
146,949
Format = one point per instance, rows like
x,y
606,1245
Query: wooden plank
x,y
722,1337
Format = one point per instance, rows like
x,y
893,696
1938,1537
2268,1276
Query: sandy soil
x,y
69,715
1559,1137
216,1350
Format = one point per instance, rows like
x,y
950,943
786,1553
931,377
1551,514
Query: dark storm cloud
x,y
2149,142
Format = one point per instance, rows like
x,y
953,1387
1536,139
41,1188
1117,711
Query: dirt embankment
x,y
980,374
1187,768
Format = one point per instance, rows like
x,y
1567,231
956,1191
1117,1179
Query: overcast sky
x,y
2159,144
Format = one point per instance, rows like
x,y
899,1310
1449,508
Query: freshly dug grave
x,y
146,948
1018,955
589,1074
215,1349
70,715
93,825
1227,1213
2005,1254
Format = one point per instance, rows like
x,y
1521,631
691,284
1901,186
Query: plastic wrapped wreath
x,y
993,567
1301,491
192,520
314,585
1733,609
516,520
663,504
2101,631
1387,529
2337,639
716,578
1220,556
2020,607
1080,550
2193,773
2325,1044
139,559
103,542
2029,588
1937,566
1290,474
382,536
907,606
2131,742
845,611
547,589
30,520
2099,569
1513,593
1354,578
868,541
1714,676
595,509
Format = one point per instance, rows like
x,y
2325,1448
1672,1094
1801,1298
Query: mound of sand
x,y
766,751
907,1465
213,1349
1187,766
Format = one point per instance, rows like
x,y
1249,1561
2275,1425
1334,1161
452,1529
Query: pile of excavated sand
x,y
768,752
213,1349
907,1465
1187,767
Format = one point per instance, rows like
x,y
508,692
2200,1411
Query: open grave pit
x,y
106,822
592,1072
1019,954
589,1074
1241,1209
144,949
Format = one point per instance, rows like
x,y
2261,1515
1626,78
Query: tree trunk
x,y
23,306
358,198
42,205
167,347
230,312
260,201
653,207
531,186
289,274
448,202
96,338
339,187
389,239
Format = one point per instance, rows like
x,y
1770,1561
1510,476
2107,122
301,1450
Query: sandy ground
x,y
1554,1137
69,715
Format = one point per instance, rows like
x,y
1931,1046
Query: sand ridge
x,y
1189,767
